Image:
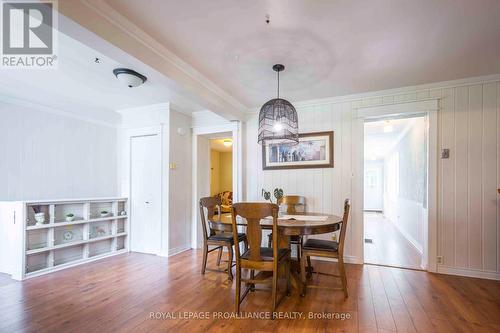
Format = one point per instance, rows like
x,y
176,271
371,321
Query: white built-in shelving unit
x,y
28,248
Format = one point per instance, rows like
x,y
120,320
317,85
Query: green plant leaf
x,y
278,193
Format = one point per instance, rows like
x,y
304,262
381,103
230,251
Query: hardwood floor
x,y
120,293
389,246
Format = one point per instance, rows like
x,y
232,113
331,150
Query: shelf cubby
x,y
97,207
36,262
120,226
61,210
67,255
30,213
100,247
37,239
120,243
68,234
100,229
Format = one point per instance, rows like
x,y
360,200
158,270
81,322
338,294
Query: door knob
x,y
146,202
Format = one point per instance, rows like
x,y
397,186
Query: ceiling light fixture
x,y
129,77
388,128
227,142
278,121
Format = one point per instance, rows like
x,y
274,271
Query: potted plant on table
x,y
70,217
278,194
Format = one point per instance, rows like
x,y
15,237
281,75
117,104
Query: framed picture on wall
x,y
314,150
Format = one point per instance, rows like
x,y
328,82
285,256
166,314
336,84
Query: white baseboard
x,y
178,249
469,272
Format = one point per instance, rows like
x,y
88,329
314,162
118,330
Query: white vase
x,y
39,218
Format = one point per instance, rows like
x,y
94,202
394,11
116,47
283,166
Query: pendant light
x,y
278,119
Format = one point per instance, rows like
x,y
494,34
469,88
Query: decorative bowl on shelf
x,y
70,217
104,213
39,218
123,213
68,235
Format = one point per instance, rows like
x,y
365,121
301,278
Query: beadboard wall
x,y
179,183
468,208
46,155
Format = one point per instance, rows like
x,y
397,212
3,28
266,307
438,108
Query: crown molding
x,y
103,20
146,108
393,92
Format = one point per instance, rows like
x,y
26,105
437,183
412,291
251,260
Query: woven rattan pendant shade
x,y
278,120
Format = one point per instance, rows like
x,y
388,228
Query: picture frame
x,y
314,150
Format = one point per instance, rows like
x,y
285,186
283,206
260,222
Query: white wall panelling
x,y
46,154
466,206
180,183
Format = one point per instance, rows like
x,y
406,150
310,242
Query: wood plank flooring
x,y
119,294
389,246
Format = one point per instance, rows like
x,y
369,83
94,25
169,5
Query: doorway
x,y
395,190
145,193
221,171
204,139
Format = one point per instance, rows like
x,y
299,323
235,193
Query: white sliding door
x,y
145,194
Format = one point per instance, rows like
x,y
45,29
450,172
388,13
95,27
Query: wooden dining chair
x,y
293,204
262,259
328,249
217,234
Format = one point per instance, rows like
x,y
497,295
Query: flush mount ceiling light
x,y
278,120
227,142
388,128
129,77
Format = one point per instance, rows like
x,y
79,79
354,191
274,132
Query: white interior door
x,y
373,188
145,194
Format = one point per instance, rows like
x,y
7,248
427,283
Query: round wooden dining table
x,y
293,227
290,227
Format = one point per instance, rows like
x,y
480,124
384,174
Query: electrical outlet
x,y
439,259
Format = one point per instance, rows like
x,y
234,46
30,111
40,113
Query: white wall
x,y
45,155
180,183
226,171
468,210
214,172
374,183
201,188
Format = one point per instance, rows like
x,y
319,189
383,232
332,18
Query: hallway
x,y
389,246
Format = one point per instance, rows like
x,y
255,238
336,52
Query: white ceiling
x,y
329,48
85,88
377,142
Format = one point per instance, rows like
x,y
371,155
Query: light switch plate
x,y
445,153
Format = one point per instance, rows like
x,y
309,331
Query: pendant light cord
x,y
278,84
